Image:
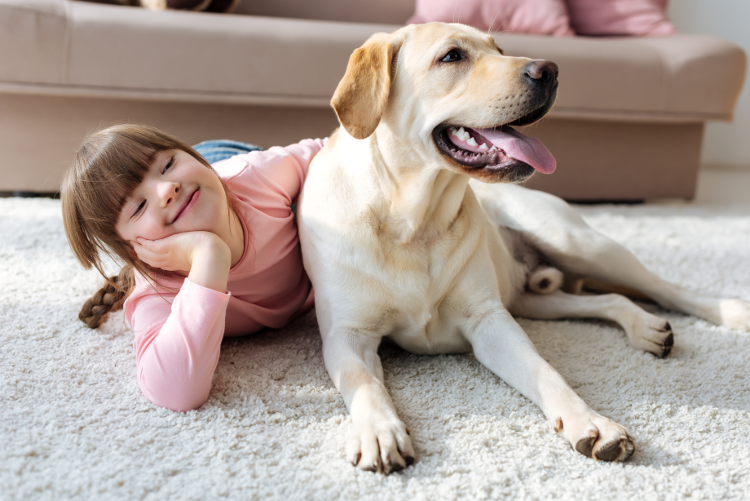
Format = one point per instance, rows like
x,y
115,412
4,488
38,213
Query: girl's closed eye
x,y
138,209
169,164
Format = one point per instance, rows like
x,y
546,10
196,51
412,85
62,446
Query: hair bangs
x,y
107,189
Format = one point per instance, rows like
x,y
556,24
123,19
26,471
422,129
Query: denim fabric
x,y
220,149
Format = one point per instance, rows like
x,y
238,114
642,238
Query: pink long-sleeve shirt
x,y
178,335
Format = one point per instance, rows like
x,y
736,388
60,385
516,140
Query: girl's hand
x,y
200,255
174,253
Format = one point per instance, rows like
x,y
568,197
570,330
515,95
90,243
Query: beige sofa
x,y
627,125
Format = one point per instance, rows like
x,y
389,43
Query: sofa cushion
x,y
620,17
542,17
350,11
86,49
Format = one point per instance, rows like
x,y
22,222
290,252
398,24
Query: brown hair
x,y
108,167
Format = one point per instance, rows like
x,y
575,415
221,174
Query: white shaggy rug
x,y
74,425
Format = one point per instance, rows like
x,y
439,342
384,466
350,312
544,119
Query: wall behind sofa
x,y
725,144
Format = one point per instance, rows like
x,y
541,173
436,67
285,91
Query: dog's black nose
x,y
542,72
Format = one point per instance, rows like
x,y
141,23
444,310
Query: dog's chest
x,y
429,331
426,292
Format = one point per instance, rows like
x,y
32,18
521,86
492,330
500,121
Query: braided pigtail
x,y
109,298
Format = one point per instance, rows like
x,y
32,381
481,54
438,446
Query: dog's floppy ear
x,y
361,97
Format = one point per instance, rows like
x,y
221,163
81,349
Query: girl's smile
x,y
187,205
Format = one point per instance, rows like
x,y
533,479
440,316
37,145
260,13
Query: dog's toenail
x,y
585,446
396,467
609,452
667,346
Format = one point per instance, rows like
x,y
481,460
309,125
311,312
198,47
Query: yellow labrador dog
x,y
399,244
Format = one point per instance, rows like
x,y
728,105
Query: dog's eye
x,y
451,56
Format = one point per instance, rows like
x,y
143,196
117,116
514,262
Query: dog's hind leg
x,y
557,231
596,256
644,330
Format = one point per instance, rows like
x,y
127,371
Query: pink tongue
x,y
523,148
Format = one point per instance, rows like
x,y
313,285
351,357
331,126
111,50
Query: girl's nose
x,y
167,192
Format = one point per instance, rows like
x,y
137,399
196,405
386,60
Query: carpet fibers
x,y
74,425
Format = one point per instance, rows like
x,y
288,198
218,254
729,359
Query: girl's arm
x,y
177,345
284,169
304,152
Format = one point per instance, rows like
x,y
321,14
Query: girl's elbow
x,y
178,394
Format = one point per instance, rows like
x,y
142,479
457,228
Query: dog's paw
x,y
382,446
651,333
597,437
735,314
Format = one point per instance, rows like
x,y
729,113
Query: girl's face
x,y
177,194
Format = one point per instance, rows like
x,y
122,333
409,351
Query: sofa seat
x,y
130,64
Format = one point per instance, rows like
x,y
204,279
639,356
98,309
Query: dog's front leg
x,y
502,346
378,440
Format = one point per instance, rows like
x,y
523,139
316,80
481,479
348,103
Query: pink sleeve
x,y
177,346
286,167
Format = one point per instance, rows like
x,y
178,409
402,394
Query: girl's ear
x,y
362,95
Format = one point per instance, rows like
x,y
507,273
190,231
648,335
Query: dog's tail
x,y
544,279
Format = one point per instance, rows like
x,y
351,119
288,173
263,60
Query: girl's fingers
x,y
147,256
155,246
159,253
148,244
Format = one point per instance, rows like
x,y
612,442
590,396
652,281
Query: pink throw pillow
x,y
541,17
620,17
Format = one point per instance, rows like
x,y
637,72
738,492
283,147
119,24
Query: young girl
x,y
209,251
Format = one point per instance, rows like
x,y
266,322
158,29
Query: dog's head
x,y
450,93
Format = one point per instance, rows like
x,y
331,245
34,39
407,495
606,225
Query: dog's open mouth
x,y
495,148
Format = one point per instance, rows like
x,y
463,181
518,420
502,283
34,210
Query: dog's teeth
x,y
483,146
494,148
462,134
472,141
